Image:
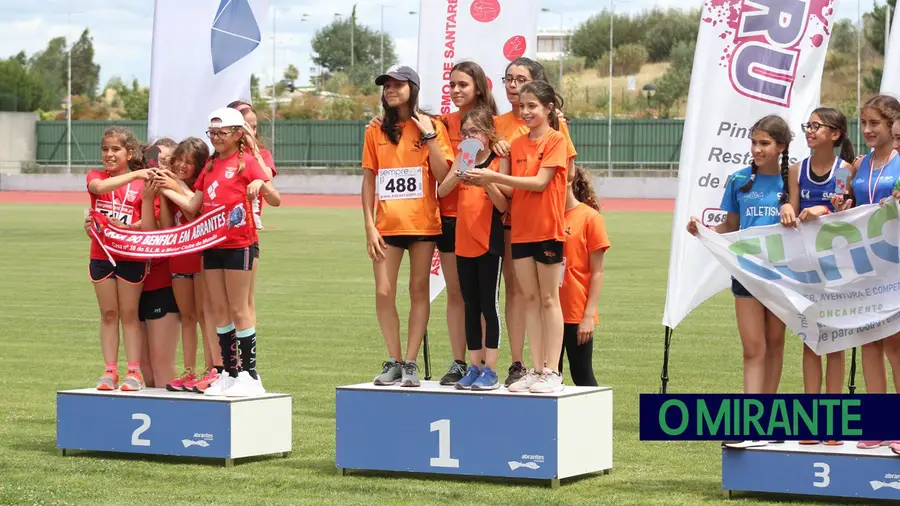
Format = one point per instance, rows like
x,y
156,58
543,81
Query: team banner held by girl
x,y
202,59
834,281
491,32
749,62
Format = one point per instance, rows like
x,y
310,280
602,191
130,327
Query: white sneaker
x,y
218,388
245,386
747,444
524,383
549,382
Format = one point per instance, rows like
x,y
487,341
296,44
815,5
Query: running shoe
x,y
189,385
471,375
524,383
178,384
516,372
410,374
487,380
810,442
134,382
457,372
219,388
871,445
549,382
109,381
834,443
740,445
390,373
895,447
245,386
206,381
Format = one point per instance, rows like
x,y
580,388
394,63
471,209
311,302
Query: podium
x,y
441,430
819,470
180,424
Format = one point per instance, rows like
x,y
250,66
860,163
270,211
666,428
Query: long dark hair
x,y
390,124
835,119
547,96
483,95
194,150
583,189
777,128
131,143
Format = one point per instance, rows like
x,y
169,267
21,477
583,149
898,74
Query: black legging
x,y
479,281
580,357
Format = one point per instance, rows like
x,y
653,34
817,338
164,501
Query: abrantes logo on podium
x,y
234,33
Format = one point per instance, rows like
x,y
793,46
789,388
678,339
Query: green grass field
x,y
317,330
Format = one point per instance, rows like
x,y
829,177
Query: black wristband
x,y
427,137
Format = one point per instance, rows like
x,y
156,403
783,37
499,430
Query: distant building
x,y
552,43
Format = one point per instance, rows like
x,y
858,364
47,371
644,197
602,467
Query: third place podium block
x,y
438,429
818,470
155,421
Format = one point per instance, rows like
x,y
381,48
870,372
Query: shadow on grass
x,y
460,479
753,497
158,459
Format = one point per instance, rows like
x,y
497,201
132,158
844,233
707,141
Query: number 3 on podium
x,y
442,427
136,435
823,472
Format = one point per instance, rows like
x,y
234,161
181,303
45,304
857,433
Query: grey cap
x,y
400,73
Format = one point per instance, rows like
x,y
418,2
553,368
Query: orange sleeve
x,y
570,147
595,233
443,139
370,153
554,155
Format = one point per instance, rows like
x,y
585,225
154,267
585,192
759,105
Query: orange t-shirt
x,y
479,227
539,216
405,188
585,234
453,122
510,127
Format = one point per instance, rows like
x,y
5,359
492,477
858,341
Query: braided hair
x,y
785,167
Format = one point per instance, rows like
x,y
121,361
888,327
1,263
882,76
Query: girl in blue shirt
x,y
811,185
752,198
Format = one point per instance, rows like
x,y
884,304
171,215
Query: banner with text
x,y
752,59
492,33
834,281
201,234
202,59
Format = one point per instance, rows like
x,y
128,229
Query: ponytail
x,y
749,184
785,168
847,151
241,155
209,163
583,189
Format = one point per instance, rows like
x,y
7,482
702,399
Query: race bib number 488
x,y
400,183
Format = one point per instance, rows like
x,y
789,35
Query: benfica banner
x,y
201,234
492,33
752,59
834,281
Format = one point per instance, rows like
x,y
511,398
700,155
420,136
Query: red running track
x,y
330,201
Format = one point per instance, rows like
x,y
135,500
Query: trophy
x,y
841,180
469,149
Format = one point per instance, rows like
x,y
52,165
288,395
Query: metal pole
x,y
382,38
274,51
612,16
562,51
352,35
69,105
858,72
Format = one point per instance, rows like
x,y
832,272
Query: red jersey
x,y
223,185
190,263
258,204
123,203
159,276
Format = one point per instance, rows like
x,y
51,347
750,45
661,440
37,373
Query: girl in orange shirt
x,y
479,249
538,189
579,292
402,160
510,127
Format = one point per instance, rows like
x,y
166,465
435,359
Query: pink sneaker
x,y
871,445
190,383
895,447
178,384
206,381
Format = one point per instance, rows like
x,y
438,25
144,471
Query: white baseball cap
x,y
227,116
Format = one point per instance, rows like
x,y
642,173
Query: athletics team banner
x,y
752,59
834,281
491,33
201,234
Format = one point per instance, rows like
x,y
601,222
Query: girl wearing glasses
x,y
231,177
811,184
511,126
479,249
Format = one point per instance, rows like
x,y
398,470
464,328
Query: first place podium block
x,y
158,422
497,433
816,470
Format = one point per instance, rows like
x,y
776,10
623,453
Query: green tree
x,y
254,88
50,65
843,37
133,100
85,73
22,89
665,29
331,46
591,38
676,81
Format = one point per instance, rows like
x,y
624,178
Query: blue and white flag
x,y
203,55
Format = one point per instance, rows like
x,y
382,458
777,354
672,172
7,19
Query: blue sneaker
x,y
487,380
470,377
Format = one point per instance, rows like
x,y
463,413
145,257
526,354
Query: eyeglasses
x,y
219,133
814,127
469,133
518,80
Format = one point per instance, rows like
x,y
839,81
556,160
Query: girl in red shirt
x,y
116,192
231,177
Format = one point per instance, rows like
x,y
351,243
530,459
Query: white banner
x,y
436,283
748,63
834,281
202,59
890,77
491,33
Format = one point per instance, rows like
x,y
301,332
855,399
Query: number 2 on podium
x,y
136,435
443,459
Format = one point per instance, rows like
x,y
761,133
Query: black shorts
x,y
405,241
545,252
254,249
156,304
128,271
232,259
446,242
738,290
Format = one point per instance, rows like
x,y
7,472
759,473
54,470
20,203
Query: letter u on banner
x,y
747,65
